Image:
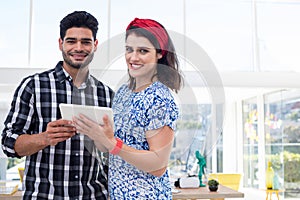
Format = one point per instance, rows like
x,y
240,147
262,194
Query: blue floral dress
x,y
134,114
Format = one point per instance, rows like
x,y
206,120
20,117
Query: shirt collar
x,y
63,75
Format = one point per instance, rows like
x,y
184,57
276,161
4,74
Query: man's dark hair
x,y
78,19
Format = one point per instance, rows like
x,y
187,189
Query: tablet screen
x,y
95,113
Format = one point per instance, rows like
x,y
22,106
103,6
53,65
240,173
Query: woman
x,y
144,116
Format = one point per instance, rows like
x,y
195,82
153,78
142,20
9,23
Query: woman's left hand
x,y
99,133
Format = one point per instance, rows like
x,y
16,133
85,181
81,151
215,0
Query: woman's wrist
x,y
118,143
110,145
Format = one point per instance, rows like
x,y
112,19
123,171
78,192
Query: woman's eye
x,y
129,49
143,51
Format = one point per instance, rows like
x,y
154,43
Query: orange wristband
x,y
118,147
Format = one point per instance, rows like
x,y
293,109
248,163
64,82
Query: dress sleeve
x,y
161,110
19,117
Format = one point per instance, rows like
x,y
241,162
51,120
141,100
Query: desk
x,y
7,188
204,193
198,193
16,196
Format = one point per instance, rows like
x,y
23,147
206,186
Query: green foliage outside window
x,y
291,165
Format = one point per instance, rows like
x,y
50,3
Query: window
x,y
282,136
14,36
250,120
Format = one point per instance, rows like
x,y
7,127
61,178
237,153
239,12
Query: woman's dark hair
x,y
78,19
167,66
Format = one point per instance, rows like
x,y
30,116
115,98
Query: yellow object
x,y
269,176
270,192
229,180
21,173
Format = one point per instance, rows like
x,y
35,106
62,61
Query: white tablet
x,y
95,113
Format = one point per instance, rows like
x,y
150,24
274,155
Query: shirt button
x,y
76,176
76,154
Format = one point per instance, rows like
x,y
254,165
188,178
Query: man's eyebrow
x,y
84,39
87,39
70,38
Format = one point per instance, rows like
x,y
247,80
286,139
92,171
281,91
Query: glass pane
x,y
191,135
14,35
278,31
250,144
282,127
273,133
223,29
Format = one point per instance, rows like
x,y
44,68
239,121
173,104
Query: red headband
x,y
155,28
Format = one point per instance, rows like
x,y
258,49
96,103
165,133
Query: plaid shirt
x,y
72,169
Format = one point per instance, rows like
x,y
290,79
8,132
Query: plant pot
x,y
213,188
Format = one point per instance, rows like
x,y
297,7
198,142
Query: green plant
x,y
213,182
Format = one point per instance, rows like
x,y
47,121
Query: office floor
x,y
256,194
253,194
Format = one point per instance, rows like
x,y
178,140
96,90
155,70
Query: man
x,y
60,163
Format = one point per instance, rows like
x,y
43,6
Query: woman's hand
x,y
102,135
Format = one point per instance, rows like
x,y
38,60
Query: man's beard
x,y
85,63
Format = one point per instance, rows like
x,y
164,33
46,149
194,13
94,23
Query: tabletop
x,y
204,193
15,196
197,193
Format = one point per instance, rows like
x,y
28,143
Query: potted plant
x,y
213,185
